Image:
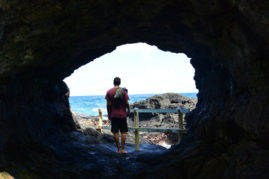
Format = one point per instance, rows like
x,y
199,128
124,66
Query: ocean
x,y
89,105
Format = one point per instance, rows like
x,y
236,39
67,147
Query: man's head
x,y
116,81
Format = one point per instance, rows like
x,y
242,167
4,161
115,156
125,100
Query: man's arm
x,y
128,108
127,103
108,108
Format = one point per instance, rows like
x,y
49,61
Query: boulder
x,y
159,120
106,138
166,101
91,132
100,137
163,101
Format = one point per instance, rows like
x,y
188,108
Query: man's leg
x,y
123,139
115,131
116,135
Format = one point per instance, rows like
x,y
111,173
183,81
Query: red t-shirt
x,y
117,110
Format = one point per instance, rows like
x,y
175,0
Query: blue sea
x,y
89,105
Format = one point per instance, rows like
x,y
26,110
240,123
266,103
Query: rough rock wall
x,y
41,42
31,111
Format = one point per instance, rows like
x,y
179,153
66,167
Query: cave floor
x,y
76,158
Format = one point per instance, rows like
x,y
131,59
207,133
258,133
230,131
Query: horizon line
x,y
134,94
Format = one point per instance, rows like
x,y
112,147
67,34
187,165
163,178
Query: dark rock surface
x,y
42,42
88,126
157,120
163,101
166,101
100,137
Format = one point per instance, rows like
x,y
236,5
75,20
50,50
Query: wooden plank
x,y
136,124
171,130
180,125
100,121
160,110
142,129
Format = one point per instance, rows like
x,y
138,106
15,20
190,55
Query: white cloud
x,y
142,68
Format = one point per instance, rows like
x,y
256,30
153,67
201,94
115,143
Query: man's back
x,y
117,107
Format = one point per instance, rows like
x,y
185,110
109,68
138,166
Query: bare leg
x,y
123,139
116,135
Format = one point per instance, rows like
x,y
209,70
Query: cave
x,y
42,42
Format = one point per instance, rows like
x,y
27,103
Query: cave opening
x,y
146,71
42,43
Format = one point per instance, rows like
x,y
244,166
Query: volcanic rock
x,y
166,101
163,101
42,42
166,120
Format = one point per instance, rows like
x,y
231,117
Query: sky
x,y
143,69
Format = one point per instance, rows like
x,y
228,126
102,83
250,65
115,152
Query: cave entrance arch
x,y
41,44
146,71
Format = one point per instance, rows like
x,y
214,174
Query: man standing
x,y
117,102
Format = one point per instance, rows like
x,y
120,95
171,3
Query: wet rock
x,y
76,119
101,137
91,132
106,138
42,43
85,138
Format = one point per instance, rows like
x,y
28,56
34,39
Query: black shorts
x,y
119,124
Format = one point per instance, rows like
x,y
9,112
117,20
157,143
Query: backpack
x,y
119,95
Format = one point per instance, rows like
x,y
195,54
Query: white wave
x,y
96,109
105,118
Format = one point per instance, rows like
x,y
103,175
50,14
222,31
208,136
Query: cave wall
x,y
42,42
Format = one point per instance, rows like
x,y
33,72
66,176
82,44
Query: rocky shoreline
x,y
89,124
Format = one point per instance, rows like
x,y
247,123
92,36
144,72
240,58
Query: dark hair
x,y
116,81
